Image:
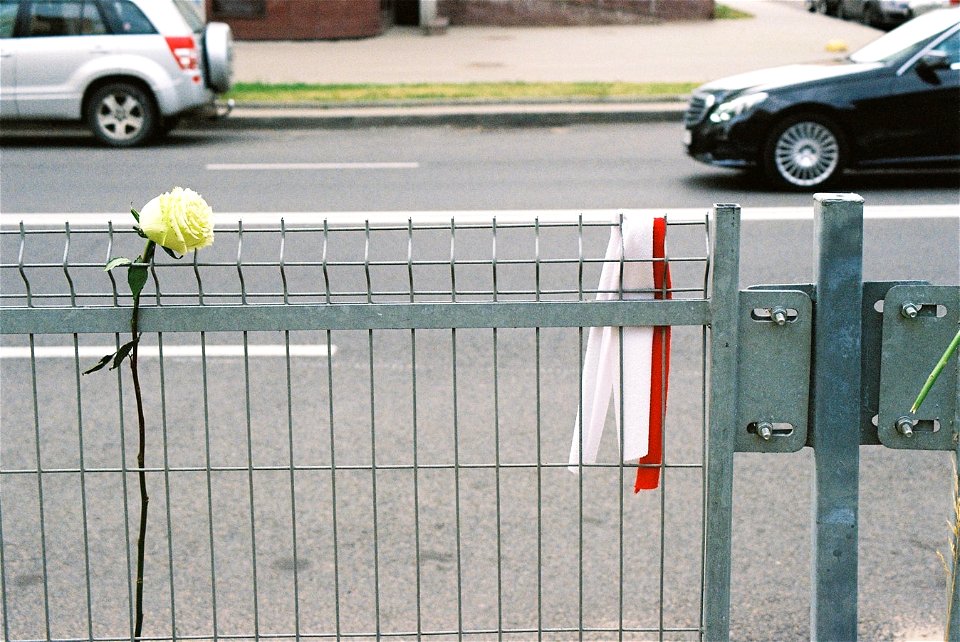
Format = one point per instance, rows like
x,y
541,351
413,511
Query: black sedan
x,y
894,103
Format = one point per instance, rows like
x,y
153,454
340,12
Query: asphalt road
x,y
606,166
905,495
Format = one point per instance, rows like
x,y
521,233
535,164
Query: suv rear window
x,y
64,18
126,18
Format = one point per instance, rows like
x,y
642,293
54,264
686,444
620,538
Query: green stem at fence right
x,y
953,347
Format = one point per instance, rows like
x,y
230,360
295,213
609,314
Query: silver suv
x,y
127,68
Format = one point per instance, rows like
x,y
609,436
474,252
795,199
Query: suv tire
x,y
122,114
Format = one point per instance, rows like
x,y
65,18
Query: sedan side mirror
x,y
930,62
934,60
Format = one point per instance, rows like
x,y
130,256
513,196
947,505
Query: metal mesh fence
x,y
353,431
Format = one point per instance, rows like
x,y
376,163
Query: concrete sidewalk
x,y
781,32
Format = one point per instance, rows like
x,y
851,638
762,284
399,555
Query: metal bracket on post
x,y
773,368
874,293
918,323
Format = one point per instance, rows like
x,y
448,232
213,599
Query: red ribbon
x,y
648,472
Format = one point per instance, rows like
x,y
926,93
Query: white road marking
x,y
123,221
234,167
170,351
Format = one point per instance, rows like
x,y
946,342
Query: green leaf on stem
x,y
116,357
136,214
100,364
116,262
122,354
140,233
137,278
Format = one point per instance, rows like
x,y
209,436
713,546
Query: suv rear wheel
x,y
122,115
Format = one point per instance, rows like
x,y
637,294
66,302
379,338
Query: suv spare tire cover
x,y
218,56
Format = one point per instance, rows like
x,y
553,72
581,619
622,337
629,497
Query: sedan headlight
x,y
733,108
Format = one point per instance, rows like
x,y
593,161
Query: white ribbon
x,y
601,364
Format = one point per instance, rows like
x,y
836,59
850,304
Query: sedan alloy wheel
x,y
804,153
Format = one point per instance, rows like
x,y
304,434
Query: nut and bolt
x,y
909,310
905,426
779,315
765,430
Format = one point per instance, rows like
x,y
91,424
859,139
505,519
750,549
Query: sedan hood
x,y
777,77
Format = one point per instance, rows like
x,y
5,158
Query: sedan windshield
x,y
907,39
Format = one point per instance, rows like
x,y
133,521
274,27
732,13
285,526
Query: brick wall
x,y
298,19
571,12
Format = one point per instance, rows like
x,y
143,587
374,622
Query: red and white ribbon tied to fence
x,y
631,267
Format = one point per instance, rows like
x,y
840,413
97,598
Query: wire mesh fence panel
x,y
353,431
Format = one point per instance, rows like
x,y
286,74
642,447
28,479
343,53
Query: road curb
x,y
490,116
460,116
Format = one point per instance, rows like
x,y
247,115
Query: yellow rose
x,y
179,220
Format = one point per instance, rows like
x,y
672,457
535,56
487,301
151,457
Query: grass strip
x,y
425,92
724,12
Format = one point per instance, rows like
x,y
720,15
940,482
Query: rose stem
x,y
141,424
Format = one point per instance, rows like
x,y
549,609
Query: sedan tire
x,y
122,115
804,151
872,16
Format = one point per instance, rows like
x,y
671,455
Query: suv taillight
x,y
184,51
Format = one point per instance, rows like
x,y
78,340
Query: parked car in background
x,y
920,7
828,7
894,103
129,69
885,14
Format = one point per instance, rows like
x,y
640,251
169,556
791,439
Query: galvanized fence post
x,y
835,414
718,494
